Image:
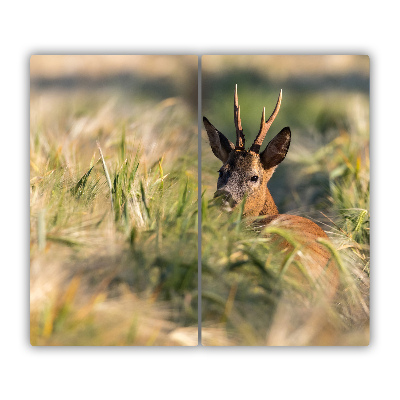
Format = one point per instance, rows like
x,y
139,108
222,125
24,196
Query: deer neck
x,y
269,207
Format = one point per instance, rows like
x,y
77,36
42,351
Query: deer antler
x,y
264,126
238,122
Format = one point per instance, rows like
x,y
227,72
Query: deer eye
x,y
254,178
220,173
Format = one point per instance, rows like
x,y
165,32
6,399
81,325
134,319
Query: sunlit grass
x,y
113,223
114,234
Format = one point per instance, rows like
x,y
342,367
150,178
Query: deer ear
x,y
220,145
276,149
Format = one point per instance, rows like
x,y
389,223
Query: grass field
x,y
114,201
114,217
324,177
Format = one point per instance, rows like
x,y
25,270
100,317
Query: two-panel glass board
x,y
185,200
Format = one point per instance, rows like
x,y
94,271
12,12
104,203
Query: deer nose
x,y
225,196
222,193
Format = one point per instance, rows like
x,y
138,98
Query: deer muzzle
x,y
227,202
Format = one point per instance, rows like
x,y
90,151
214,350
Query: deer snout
x,y
222,193
226,198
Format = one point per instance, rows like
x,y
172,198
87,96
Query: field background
x,y
114,262
324,177
113,236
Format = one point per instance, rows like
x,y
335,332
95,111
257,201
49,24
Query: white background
x,y
206,27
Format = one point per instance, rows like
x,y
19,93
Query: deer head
x,y
247,172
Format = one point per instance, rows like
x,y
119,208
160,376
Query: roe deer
x,y
247,172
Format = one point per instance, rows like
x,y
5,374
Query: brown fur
x,y
246,173
314,256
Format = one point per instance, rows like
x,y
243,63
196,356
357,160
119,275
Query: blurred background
x,y
153,77
113,200
324,177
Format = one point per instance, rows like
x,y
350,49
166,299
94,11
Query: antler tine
x,y
238,121
262,123
264,126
